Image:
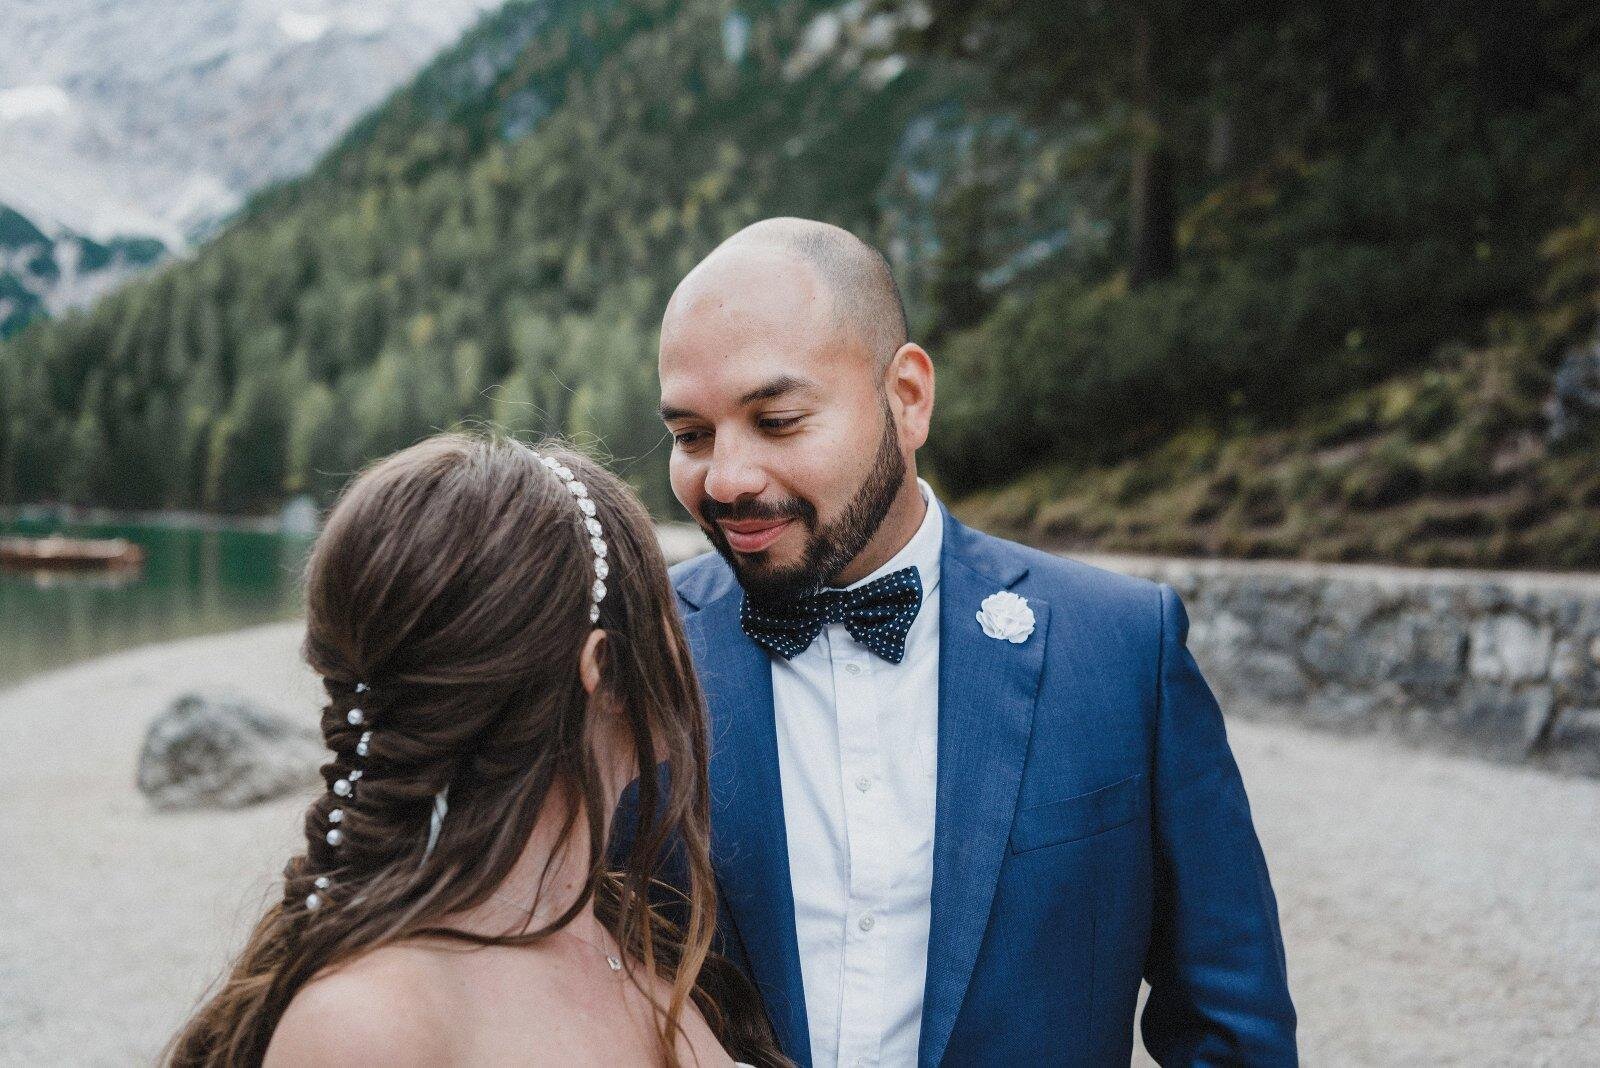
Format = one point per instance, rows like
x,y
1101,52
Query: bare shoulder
x,y
387,1007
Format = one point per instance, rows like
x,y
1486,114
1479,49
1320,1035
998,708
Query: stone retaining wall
x,y
1504,665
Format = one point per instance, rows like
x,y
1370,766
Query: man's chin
x,y
767,579
777,572
761,568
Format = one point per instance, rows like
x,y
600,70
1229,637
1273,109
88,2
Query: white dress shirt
x,y
857,759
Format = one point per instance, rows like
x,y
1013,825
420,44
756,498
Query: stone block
x,y
1500,722
1509,648
1573,742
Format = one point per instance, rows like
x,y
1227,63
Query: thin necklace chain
x,y
612,959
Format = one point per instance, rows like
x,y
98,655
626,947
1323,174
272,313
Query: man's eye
x,y
778,423
686,438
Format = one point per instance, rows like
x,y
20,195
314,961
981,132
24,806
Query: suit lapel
x,y
749,842
987,691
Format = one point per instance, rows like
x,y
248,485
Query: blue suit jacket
x,y
1091,827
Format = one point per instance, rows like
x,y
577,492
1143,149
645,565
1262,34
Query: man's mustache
x,y
714,511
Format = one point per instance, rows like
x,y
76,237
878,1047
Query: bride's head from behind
x,y
449,600
455,581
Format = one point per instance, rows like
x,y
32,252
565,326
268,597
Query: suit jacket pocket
x,y
1076,817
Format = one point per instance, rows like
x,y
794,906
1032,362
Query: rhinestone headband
x,y
597,540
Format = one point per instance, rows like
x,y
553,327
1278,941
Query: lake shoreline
x,y
195,581
172,519
183,519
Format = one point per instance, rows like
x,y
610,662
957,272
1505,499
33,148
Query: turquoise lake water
x,y
194,581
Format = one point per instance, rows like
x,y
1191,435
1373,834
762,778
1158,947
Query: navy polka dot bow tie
x,y
877,615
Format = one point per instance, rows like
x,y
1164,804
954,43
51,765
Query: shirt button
x,y
863,784
853,669
866,922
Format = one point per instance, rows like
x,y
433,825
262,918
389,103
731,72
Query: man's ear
x,y
910,387
589,660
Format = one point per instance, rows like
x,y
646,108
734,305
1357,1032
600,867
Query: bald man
x,y
965,794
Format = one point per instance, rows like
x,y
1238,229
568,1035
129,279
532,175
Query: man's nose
x,y
732,476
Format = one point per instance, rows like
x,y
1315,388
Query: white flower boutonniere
x,y
1006,615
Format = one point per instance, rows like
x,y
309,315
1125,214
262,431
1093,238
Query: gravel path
x,y
1437,911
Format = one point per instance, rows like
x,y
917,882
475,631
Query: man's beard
x,y
830,549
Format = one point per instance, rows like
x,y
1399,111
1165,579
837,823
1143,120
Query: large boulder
x,y
222,751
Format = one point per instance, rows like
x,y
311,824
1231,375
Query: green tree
x,y
249,446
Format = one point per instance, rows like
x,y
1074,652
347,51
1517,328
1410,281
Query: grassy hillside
x,y
1486,457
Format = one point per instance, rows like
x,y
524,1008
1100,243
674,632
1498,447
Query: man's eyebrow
x,y
778,387
668,414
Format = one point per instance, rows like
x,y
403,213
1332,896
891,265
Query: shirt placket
x,y
860,758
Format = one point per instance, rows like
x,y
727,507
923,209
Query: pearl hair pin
x,y
343,788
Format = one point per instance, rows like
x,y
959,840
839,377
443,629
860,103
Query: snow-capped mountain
x,y
45,274
156,117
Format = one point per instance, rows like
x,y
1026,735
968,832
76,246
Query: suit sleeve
x,y
1219,991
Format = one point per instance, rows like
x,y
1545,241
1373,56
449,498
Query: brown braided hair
x,y
453,579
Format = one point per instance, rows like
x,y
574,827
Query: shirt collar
x,y
922,551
